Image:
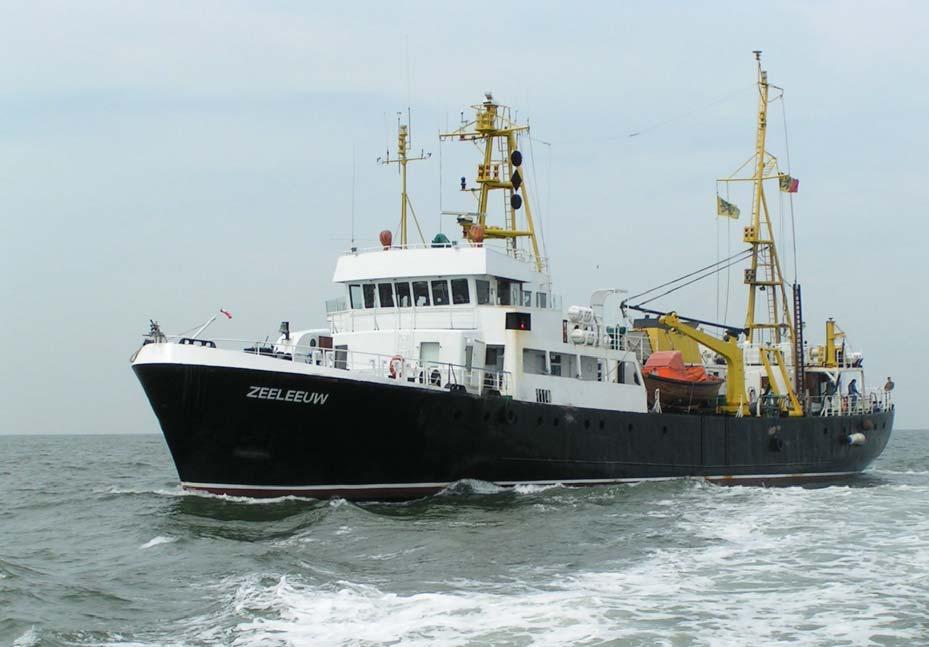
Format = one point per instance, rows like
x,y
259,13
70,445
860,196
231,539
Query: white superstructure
x,y
470,306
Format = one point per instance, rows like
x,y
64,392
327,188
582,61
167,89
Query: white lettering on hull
x,y
289,395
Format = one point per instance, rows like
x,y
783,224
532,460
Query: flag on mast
x,y
227,313
788,184
727,209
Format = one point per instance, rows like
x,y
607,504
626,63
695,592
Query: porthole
x,y
602,424
587,424
555,421
539,421
664,430
630,427
457,414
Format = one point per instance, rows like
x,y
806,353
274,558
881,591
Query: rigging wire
x,y
692,281
535,180
735,258
728,251
679,116
790,197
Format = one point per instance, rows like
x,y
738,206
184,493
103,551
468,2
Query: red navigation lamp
x,y
518,321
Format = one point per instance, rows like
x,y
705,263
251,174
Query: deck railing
x,y
409,370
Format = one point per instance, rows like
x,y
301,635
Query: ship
x,y
452,360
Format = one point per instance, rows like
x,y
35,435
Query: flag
x,y
788,184
727,209
227,313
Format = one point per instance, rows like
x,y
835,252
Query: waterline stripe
x,y
420,486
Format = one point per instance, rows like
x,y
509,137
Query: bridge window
x,y
421,293
482,288
440,293
403,295
386,293
460,293
354,293
370,301
504,295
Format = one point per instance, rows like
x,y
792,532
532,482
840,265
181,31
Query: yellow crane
x,y
728,348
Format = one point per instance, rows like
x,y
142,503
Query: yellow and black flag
x,y
727,209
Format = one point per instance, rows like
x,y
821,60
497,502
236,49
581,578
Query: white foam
x,y
28,639
534,489
178,491
155,541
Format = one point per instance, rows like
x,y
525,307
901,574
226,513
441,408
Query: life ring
x,y
395,366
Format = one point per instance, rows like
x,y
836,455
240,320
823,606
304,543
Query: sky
x,y
161,160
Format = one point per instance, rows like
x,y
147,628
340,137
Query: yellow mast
x,y
493,124
764,274
403,137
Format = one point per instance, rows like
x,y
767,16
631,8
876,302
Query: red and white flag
x,y
227,313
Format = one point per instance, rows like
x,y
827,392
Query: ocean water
x,y
98,546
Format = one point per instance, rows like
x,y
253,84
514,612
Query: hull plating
x,y
268,433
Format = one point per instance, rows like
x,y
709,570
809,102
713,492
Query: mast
x,y
493,125
767,333
403,140
765,272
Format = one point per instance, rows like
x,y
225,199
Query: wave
x,y
638,605
180,492
29,639
156,541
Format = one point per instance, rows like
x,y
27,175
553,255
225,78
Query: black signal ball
x,y
515,201
516,157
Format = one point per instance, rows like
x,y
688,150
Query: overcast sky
x,y
164,159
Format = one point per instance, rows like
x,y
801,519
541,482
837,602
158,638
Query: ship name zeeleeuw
x,y
290,395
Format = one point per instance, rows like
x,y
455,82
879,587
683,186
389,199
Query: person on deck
x,y
853,392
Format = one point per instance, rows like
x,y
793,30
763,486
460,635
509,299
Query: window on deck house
x,y
440,293
421,293
386,293
403,295
354,294
460,293
369,295
555,362
483,292
534,361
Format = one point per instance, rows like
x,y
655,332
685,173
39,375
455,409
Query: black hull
x,y
368,440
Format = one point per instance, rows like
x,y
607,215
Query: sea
x,y
99,546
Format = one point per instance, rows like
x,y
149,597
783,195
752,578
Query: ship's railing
x,y
416,371
871,401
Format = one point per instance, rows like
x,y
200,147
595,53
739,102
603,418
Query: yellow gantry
x,y
492,125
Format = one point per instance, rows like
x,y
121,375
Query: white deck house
x,y
452,328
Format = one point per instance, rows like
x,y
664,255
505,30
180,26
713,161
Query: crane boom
x,y
728,348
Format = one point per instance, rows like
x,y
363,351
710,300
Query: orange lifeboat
x,y
680,386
